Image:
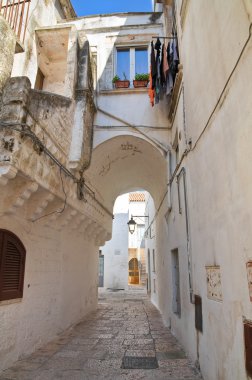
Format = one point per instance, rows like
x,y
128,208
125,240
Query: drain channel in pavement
x,y
132,362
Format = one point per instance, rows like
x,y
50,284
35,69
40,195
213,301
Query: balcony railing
x,y
16,14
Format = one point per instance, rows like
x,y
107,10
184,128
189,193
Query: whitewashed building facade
x,y
71,143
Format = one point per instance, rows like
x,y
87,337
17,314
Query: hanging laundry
x,y
175,50
158,45
173,59
162,75
151,90
165,66
153,66
169,83
158,77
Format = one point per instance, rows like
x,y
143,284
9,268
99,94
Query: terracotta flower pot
x,y
122,84
140,83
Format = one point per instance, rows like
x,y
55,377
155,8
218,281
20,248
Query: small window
x,y
123,63
141,61
12,266
131,61
248,346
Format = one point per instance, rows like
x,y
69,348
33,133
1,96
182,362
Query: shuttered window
x,y
248,346
12,266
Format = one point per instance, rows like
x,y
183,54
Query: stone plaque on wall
x,y
249,275
214,290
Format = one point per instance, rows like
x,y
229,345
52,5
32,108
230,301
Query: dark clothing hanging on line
x,y
158,77
153,66
164,68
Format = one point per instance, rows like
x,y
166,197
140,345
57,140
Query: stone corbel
x,y
39,203
84,225
68,218
100,236
90,229
7,172
22,197
52,212
16,97
77,222
103,238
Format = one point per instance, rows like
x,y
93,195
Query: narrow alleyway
x,y
124,339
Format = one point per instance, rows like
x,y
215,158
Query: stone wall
x,y
7,49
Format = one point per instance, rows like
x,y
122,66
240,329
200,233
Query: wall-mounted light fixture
x,y
132,224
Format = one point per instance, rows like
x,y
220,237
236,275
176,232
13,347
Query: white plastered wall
x,y
218,189
60,288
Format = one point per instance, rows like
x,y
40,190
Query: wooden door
x,y
133,271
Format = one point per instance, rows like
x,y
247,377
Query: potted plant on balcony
x,y
141,80
118,83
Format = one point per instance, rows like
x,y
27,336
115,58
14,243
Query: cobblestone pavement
x,y
125,331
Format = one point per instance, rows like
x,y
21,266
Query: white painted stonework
x,y
212,225
115,254
117,251
193,155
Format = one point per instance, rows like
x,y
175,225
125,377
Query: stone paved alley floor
x,y
126,331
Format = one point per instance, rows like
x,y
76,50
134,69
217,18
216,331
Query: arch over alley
x,y
124,163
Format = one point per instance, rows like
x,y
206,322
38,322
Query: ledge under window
x,y
10,302
127,91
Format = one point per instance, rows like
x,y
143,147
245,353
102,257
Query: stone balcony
x,y
36,133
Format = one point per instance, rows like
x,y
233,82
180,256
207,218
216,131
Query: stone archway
x,y
125,163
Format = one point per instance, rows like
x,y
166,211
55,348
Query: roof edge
x,y
119,14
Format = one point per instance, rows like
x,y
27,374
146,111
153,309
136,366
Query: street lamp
x,y
132,224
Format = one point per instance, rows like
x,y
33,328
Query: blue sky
x,y
91,7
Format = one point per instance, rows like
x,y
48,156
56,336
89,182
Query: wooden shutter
x,y
198,313
12,265
248,346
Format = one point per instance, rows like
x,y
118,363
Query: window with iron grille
x,y
12,266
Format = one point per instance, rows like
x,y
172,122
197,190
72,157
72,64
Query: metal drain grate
x,y
171,355
133,362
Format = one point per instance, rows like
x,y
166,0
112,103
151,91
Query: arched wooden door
x,y
133,271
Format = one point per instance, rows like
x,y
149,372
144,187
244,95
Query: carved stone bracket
x,y
25,194
39,204
7,172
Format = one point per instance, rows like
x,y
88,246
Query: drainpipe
x,y
182,173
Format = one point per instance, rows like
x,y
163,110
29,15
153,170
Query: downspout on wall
x,y
182,173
